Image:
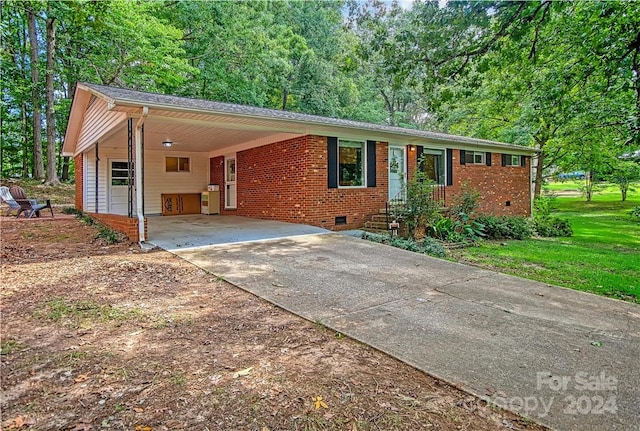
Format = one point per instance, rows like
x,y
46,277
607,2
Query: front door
x,y
397,172
119,187
230,182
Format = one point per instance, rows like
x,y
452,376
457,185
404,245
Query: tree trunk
x,y
588,185
38,165
285,97
52,174
539,174
25,144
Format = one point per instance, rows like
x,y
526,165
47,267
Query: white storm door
x,y
119,188
397,171
230,182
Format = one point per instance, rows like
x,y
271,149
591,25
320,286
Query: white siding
x,y
98,122
157,181
105,155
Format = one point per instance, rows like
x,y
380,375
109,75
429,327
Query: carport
x,y
191,231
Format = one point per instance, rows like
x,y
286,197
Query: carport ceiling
x,y
196,137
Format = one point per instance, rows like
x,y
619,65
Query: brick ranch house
x,y
140,154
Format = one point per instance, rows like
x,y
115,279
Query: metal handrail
x,y
438,193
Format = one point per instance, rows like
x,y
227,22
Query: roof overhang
x,y
219,128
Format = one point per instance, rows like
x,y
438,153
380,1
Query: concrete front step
x,y
384,210
378,231
376,225
380,218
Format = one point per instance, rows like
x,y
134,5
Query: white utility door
x,y
230,182
397,171
119,187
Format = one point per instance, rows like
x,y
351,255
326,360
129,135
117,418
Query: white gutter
x,y
138,168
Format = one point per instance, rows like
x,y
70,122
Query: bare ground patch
x,y
108,337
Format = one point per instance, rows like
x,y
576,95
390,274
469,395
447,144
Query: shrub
x,y
108,235
466,203
420,209
553,226
458,229
427,246
71,210
544,223
505,227
635,214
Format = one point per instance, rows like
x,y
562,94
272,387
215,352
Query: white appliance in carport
x,y
210,202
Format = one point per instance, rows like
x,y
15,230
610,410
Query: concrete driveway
x,y
564,358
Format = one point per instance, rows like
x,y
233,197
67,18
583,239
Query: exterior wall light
x,y
167,144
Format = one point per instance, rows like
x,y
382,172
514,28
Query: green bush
x,y
420,209
427,246
466,203
544,223
553,226
635,214
108,235
71,210
506,227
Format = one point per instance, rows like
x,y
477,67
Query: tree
x,y
563,83
52,174
624,174
38,164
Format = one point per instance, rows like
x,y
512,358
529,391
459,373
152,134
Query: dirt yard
x,y
106,337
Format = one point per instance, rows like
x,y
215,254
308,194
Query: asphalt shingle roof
x,y
128,96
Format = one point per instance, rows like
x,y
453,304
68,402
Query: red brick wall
x,y
497,184
79,180
216,176
412,161
288,181
356,204
124,224
272,181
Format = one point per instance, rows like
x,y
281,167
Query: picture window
x,y
351,163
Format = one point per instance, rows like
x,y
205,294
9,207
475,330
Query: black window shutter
x,y
332,162
450,166
504,159
488,158
420,162
463,156
371,163
523,161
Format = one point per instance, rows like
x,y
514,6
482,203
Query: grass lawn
x,y
603,255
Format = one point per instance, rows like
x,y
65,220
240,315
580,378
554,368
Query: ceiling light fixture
x,y
167,144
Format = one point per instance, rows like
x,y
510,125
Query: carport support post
x,y
139,166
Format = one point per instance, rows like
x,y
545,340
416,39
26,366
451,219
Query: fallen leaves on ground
x,y
109,337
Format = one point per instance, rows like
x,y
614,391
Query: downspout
x,y
97,178
532,184
139,174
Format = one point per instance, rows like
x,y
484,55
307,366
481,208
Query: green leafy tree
x,y
563,82
624,174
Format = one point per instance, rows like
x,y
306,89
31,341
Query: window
x,y
513,160
351,163
474,158
433,165
177,164
120,173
